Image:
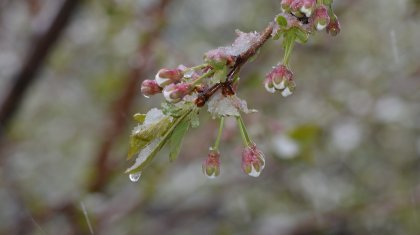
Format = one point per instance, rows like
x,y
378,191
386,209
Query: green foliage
x,y
175,142
148,139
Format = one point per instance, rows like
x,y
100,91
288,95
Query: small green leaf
x,y
281,21
138,117
175,141
140,164
301,36
140,139
220,75
136,145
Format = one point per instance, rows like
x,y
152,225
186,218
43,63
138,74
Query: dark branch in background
x,y
239,62
27,75
103,166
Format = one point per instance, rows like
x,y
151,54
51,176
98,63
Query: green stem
x,y
244,134
219,134
196,67
289,44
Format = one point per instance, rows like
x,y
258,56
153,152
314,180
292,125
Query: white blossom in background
x,y
285,147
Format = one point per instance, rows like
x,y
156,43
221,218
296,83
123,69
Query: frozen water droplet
x,y
135,177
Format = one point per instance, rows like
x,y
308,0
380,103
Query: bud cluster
x,y
280,78
215,82
316,14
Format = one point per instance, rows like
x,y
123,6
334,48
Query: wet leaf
x,y
175,142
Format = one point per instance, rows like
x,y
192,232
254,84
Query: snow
x,y
219,105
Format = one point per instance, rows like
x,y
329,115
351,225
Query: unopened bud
x,y
150,87
211,166
286,5
334,27
165,77
268,84
321,18
308,7
175,92
253,161
280,78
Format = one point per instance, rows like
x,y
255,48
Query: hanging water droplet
x,y
135,177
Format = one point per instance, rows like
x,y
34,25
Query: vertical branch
x,y
124,103
27,75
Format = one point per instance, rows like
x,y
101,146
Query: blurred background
x,y
343,153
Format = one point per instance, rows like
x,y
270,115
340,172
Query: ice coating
x,y
153,116
219,105
242,43
144,154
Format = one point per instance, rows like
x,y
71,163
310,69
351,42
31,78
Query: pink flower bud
x,y
150,87
253,161
321,18
280,78
286,5
308,7
211,166
165,77
268,84
175,92
334,27
295,7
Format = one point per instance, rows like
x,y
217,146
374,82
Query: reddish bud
x,y
253,161
150,87
175,92
286,5
165,77
211,166
321,18
280,78
308,7
334,27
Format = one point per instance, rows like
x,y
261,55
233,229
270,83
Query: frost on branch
x,y
215,82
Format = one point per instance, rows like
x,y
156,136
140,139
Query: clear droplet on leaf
x,y
135,177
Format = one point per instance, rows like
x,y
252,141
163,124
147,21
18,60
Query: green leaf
x,y
281,21
138,117
220,75
175,142
136,144
140,139
301,36
172,109
139,166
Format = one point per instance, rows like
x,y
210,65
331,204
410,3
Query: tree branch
x,y
27,75
239,62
